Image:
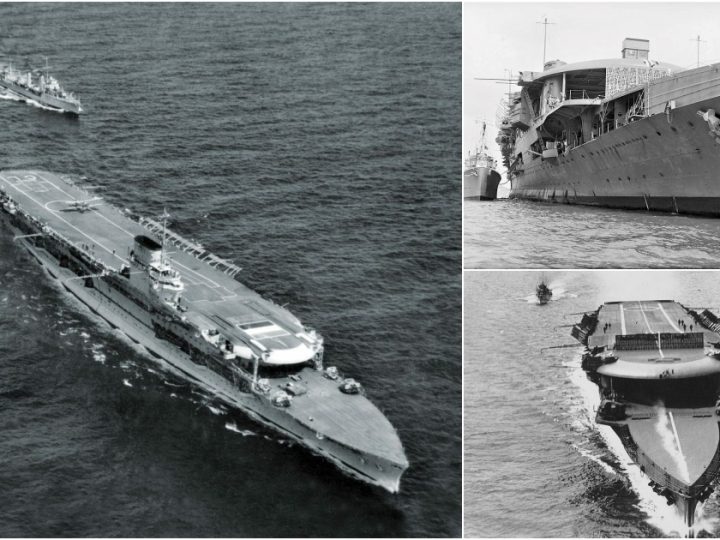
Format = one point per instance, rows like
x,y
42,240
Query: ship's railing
x,y
196,250
661,476
85,251
584,94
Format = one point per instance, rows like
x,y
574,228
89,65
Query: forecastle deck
x,y
50,211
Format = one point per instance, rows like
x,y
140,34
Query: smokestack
x,y
636,48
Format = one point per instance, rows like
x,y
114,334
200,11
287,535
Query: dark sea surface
x,y
536,464
317,146
525,234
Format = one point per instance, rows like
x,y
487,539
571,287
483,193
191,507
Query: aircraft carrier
x,y
185,307
626,132
657,367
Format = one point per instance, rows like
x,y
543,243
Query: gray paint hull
x,y
134,323
668,163
481,183
44,99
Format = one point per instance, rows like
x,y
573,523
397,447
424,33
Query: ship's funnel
x,y
636,48
147,251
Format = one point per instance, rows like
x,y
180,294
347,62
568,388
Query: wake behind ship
x,y
657,367
625,133
185,307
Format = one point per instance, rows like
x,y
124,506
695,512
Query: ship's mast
x,y
545,24
698,40
164,217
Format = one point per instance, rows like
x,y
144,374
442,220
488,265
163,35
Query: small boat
x,y
543,292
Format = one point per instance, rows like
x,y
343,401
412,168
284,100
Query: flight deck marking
x,y
95,241
642,310
650,330
205,278
622,319
668,317
677,440
56,187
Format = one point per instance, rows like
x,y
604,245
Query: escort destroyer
x,y
657,367
43,89
480,179
626,133
185,307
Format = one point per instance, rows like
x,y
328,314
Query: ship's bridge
x,y
248,334
564,89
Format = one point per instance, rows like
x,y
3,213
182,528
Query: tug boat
x,y
480,179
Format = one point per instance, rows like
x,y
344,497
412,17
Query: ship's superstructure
x,y
480,179
657,367
40,88
627,133
184,305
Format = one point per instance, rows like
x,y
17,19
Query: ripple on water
x,y
523,234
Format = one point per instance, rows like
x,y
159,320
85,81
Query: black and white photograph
x,y
591,403
231,269
591,135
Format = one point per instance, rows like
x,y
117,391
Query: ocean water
x,y
317,146
536,464
525,234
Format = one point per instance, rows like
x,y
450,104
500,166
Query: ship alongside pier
x,y
185,306
657,368
480,179
623,133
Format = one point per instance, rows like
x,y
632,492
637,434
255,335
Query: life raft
x,y
350,386
281,399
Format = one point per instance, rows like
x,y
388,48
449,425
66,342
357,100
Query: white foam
x,y
127,383
596,459
216,410
659,514
231,426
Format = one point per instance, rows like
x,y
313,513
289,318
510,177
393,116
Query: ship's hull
x,y
76,246
685,495
43,99
481,183
667,162
124,316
